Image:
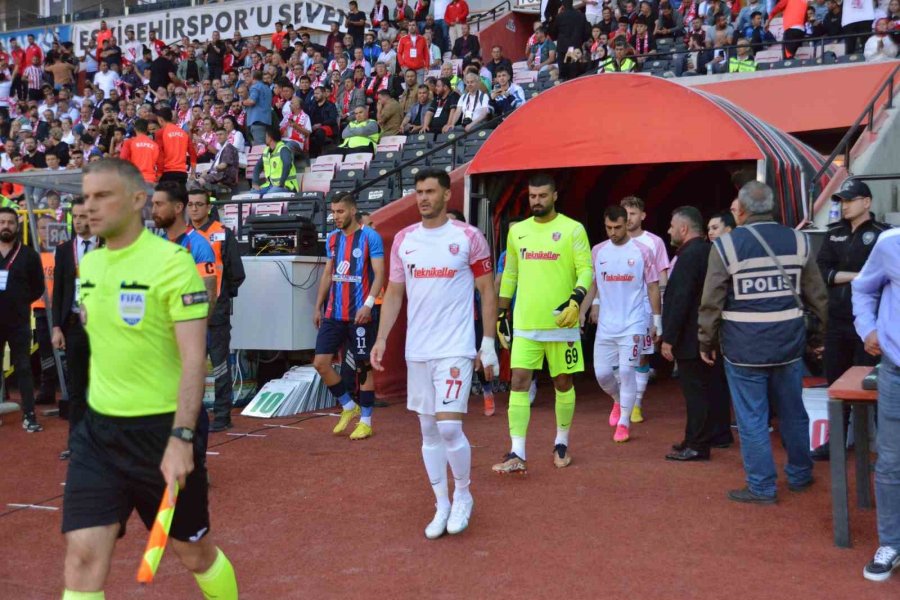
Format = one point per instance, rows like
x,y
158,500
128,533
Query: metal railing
x,y
489,14
867,116
397,171
817,44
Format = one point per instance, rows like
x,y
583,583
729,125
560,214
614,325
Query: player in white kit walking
x,y
624,277
634,206
439,263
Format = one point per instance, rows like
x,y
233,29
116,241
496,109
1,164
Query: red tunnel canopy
x,y
614,119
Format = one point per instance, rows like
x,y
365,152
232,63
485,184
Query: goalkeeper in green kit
x,y
548,270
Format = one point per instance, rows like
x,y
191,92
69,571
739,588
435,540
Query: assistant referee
x,y
144,308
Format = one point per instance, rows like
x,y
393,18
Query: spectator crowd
x,y
398,69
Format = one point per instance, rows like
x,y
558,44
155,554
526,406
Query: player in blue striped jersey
x,y
345,312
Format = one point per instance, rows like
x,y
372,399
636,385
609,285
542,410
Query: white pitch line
x,y
282,427
209,453
327,414
248,434
34,506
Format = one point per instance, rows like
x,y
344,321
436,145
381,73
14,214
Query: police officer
x,y
276,164
762,335
844,252
21,283
229,277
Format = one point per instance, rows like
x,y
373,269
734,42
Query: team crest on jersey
x,y
357,252
556,236
454,373
131,306
637,339
630,262
571,344
360,332
868,237
454,249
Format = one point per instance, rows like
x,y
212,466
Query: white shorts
x,y
614,351
440,385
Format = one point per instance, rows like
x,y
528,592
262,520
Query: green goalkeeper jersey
x,y
544,263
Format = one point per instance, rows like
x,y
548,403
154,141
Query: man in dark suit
x,y
570,29
704,387
68,332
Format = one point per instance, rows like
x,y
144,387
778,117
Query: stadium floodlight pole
x,y
36,244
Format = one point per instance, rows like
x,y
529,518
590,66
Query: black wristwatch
x,y
185,434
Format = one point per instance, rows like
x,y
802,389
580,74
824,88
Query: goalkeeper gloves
x,y
567,312
504,329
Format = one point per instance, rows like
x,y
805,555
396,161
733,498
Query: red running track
x,y
304,514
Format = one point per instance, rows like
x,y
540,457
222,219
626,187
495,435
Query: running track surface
x,y
304,514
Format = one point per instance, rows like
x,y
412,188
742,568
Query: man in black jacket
x,y
68,332
466,46
703,386
21,283
324,118
844,251
570,29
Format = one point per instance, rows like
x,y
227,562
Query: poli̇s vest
x,y
761,322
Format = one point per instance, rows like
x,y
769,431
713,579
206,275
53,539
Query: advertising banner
x,y
250,18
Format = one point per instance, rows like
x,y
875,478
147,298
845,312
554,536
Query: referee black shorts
x,y
114,469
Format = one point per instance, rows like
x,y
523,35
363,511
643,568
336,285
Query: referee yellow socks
x,y
70,595
219,581
565,411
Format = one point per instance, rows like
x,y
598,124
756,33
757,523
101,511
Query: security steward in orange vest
x,y
47,392
229,277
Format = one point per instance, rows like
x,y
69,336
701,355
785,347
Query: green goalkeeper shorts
x,y
562,357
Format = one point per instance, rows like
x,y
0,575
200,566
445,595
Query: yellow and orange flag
x,y
159,535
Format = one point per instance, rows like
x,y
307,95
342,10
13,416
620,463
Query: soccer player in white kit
x,y
439,263
624,277
634,206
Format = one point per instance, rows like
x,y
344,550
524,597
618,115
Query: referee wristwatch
x,y
185,434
